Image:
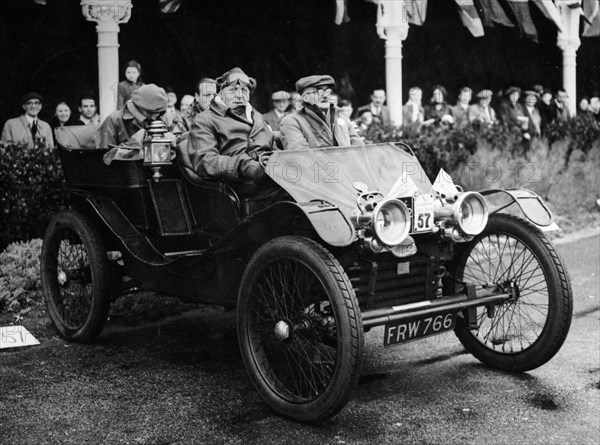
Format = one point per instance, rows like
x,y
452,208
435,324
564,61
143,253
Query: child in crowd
x,y
133,76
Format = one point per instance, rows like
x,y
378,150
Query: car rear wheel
x,y
76,278
528,331
299,329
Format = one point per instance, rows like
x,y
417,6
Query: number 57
x,y
423,220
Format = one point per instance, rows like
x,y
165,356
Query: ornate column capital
x,y
568,45
392,19
108,12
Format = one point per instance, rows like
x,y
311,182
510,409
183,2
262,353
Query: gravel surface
x,y
181,381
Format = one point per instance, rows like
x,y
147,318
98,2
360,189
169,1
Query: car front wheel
x,y
527,331
299,329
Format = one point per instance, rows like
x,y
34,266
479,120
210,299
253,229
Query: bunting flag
x,y
169,6
470,17
551,12
491,12
341,12
523,16
416,11
591,11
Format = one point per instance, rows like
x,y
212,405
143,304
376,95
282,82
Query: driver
x,y
318,123
228,138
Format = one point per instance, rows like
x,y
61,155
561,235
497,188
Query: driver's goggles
x,y
237,78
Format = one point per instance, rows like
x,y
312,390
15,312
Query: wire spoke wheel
x,y
528,330
75,277
298,327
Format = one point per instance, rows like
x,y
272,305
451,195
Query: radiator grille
x,y
392,284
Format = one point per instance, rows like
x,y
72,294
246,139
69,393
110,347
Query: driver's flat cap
x,y
314,81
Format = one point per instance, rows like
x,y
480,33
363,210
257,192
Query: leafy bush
x,y
446,147
30,191
582,133
20,286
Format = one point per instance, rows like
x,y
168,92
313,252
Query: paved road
x,y
182,382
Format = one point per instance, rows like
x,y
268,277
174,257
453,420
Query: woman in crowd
x,y
439,110
62,115
133,80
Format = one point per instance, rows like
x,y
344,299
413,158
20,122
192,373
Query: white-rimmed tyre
x,y
525,333
76,277
299,329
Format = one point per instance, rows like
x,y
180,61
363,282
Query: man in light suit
x,y
318,123
27,129
482,111
381,113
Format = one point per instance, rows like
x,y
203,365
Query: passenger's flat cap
x,y
30,96
150,97
280,95
314,81
485,94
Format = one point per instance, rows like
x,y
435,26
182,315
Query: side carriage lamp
x,y
157,148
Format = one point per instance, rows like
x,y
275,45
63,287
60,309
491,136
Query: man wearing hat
x,y
281,101
147,103
534,123
318,123
510,111
227,139
482,111
27,128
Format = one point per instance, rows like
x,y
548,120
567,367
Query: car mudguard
x,y
530,204
326,219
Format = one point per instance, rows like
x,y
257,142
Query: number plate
x,y
413,329
423,215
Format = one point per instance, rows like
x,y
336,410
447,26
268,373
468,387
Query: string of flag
x,y
475,15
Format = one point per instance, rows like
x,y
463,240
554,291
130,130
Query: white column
x,y
568,41
392,26
108,14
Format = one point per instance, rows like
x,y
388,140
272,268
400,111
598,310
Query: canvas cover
x,y
329,174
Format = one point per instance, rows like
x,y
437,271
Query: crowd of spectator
x,y
531,110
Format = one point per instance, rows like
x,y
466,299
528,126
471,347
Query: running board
x,y
469,299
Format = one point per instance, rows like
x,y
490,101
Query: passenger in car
x,y
318,123
206,89
146,104
227,140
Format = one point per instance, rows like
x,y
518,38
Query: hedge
x,y
30,191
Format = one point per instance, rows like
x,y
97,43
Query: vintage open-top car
x,y
363,240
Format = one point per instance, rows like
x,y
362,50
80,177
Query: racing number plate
x,y
416,328
423,215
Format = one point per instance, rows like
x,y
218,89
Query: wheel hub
x,y
282,331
